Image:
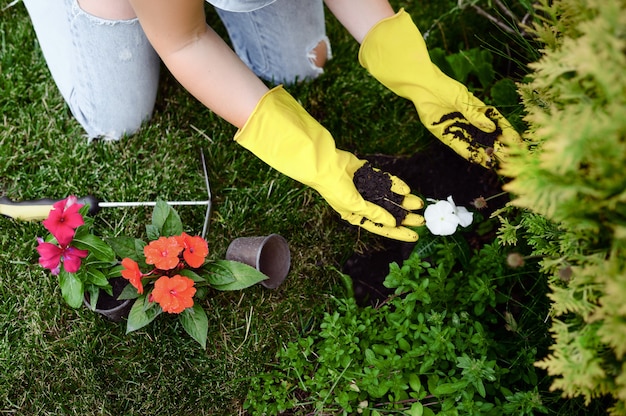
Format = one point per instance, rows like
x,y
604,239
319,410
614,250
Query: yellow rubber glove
x,y
282,134
395,53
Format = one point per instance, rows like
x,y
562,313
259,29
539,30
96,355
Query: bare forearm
x,y
199,59
359,16
216,76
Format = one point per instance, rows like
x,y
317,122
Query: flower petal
x,y
63,220
132,273
163,253
72,258
465,217
440,218
174,294
195,249
50,256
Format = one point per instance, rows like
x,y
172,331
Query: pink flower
x,y
51,257
63,220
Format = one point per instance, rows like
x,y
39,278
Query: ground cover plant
x,y
450,340
59,360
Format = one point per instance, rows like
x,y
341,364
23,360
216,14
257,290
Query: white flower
x,y
443,217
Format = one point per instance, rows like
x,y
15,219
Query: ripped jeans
x,y
108,73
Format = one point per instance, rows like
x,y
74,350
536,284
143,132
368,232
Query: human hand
x,y
464,123
286,137
377,201
395,53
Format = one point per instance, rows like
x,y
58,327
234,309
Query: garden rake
x,y
40,208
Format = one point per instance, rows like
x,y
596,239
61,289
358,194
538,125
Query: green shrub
x,y
571,183
451,340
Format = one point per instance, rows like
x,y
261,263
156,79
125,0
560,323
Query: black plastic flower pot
x,y
109,306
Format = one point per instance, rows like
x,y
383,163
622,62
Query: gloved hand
x,y
282,134
395,53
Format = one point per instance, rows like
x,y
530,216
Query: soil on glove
x,y
461,124
436,172
375,186
476,139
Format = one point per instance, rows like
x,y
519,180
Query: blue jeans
x,y
108,72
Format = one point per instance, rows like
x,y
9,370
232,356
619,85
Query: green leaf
x,y
128,247
504,92
237,275
417,409
166,220
115,272
415,383
142,313
428,412
216,275
72,288
449,388
95,277
129,292
438,57
461,65
94,294
480,387
95,245
196,323
152,232
192,275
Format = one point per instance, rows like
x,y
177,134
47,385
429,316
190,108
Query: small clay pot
x,y
268,254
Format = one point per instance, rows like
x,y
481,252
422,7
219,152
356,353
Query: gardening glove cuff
x,y
282,134
395,53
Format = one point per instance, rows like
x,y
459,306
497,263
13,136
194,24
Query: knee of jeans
x,y
319,55
110,124
312,66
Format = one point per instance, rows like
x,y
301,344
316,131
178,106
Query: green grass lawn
x,y
57,360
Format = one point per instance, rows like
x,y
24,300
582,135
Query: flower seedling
x,y
170,273
443,217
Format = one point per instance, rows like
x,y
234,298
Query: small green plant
x,y
432,348
167,274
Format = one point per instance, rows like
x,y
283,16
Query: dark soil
x,y
375,186
106,301
436,172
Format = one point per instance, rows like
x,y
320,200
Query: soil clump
x,y
375,186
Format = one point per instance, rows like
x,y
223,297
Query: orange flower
x,y
174,294
132,273
163,253
195,249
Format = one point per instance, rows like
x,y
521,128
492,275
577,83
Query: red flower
x,y
132,273
63,220
174,294
52,255
195,249
163,253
